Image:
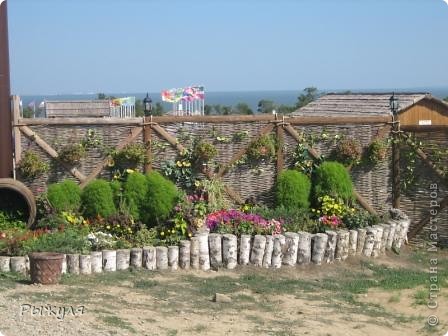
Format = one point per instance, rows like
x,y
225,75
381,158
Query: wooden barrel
x,y
16,187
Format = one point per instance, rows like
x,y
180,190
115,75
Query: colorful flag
x,y
32,105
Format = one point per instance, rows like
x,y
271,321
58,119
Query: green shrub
x,y
97,199
160,199
332,179
64,196
116,187
293,189
145,237
31,165
134,193
359,219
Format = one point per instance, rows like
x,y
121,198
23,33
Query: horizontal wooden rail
x,y
423,128
79,121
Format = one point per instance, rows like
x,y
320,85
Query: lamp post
x,y
394,106
147,105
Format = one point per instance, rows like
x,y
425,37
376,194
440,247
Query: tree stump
x,y
277,252
230,250
109,260
352,242
4,264
173,257
369,241
73,263
304,248
386,230
342,245
258,248
184,254
162,258
123,259
245,249
136,257
401,232
330,250
204,256
215,246
96,261
291,247
64,264
267,257
319,245
361,240
377,243
85,264
391,237
149,259
194,256
18,265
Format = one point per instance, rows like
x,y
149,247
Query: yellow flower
x,y
129,171
162,233
197,183
189,235
186,164
179,164
108,227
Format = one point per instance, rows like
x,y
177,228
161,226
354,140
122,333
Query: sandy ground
x,y
181,303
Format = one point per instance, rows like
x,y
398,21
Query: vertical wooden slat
x,y
280,144
16,130
147,139
396,166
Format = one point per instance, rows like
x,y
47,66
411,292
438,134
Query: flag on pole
x,y
32,105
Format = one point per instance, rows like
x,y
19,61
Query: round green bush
x,y
293,190
333,179
116,186
160,199
134,193
64,196
97,199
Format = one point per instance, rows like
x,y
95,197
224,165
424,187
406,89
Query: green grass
x,y
114,321
421,297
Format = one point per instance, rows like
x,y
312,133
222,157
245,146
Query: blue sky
x,y
65,46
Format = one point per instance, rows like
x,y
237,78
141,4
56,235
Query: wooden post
x,y
396,165
16,130
280,144
147,139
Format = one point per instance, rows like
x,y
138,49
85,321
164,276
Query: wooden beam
x,y
238,155
168,137
135,132
425,220
361,200
147,139
233,194
424,128
16,130
280,144
79,121
50,151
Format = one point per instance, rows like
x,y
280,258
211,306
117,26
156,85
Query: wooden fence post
x,y
15,128
396,164
147,140
280,144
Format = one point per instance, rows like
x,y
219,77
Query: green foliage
x,y
243,108
265,106
204,151
72,153
348,151
71,240
160,199
64,196
309,94
134,193
332,179
117,191
261,149
215,191
359,219
31,165
97,199
10,221
377,151
130,157
145,237
293,190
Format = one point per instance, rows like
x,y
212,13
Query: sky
x,y
89,46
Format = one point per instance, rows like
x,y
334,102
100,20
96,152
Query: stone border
x,y
212,251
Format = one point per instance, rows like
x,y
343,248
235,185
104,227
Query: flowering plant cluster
x,y
238,222
332,221
100,240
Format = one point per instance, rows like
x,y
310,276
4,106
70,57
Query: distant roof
x,y
77,108
370,104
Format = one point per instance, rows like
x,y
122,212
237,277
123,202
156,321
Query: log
x,y
291,247
96,261
331,246
386,230
361,240
173,257
258,248
64,264
269,247
18,265
194,256
123,259
85,264
4,264
73,263
342,243
215,246
318,247
304,248
277,252
184,254
149,259
204,256
27,264
400,233
377,244
369,241
109,260
352,242
244,249
162,257
229,251
390,238
136,257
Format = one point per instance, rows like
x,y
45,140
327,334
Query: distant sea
x,y
286,97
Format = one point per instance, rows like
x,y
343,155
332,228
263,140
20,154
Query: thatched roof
x,y
368,104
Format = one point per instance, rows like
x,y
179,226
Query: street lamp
x,y
147,105
393,104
